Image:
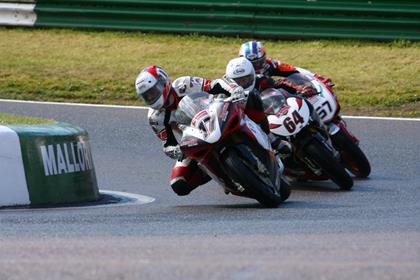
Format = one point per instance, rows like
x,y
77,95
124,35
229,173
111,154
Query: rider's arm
x,y
295,89
156,121
288,86
277,68
224,86
189,84
263,82
323,79
164,133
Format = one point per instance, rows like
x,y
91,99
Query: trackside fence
x,y
375,19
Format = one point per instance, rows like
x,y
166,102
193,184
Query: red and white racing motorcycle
x,y
293,118
326,105
231,148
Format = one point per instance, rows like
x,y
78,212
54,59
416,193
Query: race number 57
x,y
324,109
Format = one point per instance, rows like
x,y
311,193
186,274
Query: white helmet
x,y
153,86
242,72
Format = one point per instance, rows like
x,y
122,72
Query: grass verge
x,y
371,78
10,119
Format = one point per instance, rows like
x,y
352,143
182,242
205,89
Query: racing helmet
x,y
255,52
242,72
153,86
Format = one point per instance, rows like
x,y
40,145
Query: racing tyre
x,y
352,156
285,190
324,159
244,173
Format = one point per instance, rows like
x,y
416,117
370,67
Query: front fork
x,y
321,134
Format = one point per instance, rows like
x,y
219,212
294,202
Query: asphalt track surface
x,y
371,232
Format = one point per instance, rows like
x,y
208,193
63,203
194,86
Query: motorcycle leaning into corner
x,y
230,148
312,156
327,106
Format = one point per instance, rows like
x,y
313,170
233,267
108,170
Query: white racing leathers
x,y
186,175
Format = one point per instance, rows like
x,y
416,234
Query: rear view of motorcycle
x,y
231,148
327,106
294,119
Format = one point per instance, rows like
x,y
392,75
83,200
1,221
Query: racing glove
x,y
238,94
290,87
307,91
173,152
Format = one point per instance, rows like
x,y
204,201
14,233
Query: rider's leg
x,y
186,176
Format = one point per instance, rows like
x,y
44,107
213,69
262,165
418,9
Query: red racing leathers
x,y
276,68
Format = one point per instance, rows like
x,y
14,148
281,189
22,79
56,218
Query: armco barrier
x,y
375,19
17,14
45,165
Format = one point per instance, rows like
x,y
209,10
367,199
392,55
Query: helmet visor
x,y
258,63
245,81
151,95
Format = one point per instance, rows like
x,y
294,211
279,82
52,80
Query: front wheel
x,y
326,161
241,171
352,156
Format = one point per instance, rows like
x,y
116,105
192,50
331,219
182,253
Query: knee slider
x,y
181,188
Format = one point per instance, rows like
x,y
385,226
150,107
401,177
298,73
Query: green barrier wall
x,y
58,164
382,19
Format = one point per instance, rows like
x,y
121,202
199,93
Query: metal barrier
x,y
381,19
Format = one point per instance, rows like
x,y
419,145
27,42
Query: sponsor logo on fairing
x,y
283,111
66,158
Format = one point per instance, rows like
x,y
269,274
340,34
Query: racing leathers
x,y
186,174
274,67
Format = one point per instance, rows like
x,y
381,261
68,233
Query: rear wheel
x,y
244,173
352,156
326,161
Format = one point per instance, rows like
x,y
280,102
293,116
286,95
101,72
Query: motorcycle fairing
x,y
290,122
324,102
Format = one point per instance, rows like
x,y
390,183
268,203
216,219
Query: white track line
x,y
127,199
144,108
130,198
74,104
382,118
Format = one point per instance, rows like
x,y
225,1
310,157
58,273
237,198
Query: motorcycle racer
x,y
242,72
163,96
266,67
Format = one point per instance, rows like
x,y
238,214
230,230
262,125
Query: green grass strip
x,y
9,119
372,78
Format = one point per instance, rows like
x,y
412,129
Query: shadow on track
x,y
286,205
315,186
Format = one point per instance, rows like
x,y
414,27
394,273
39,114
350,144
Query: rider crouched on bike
x,y
155,88
266,67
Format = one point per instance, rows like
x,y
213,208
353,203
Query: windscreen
x,y
190,105
273,100
299,79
